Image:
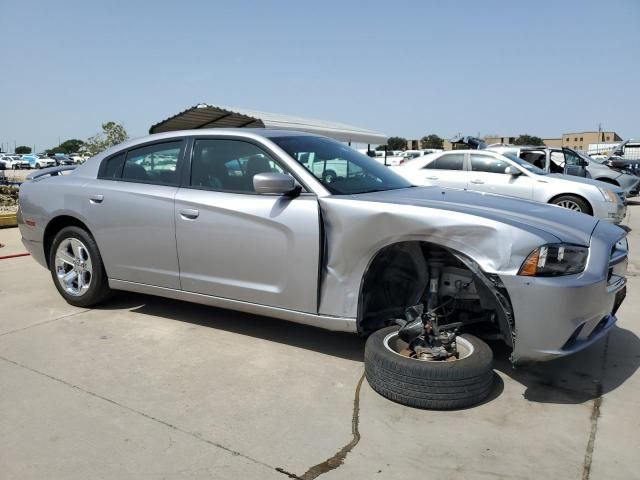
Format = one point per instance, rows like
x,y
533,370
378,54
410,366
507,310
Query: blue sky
x,y
400,67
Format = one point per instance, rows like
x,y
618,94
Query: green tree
x,y
22,149
380,148
397,143
431,141
528,140
72,145
112,134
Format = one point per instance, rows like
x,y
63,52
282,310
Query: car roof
x,y
204,132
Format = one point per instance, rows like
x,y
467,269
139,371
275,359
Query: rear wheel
x,y
77,269
329,176
436,384
571,202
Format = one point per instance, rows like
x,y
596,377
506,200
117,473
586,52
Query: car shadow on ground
x,y
584,376
575,379
338,344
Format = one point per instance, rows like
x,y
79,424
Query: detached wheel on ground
x,y
77,269
571,202
438,385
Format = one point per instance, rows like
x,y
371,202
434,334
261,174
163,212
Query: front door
x,y
130,207
488,175
574,164
234,243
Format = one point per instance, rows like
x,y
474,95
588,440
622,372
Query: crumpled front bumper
x,y
558,316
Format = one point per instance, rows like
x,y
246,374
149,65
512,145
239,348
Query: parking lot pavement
x,y
147,387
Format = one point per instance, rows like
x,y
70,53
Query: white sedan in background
x,y
491,172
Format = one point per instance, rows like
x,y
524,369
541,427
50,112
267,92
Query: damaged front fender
x,y
357,230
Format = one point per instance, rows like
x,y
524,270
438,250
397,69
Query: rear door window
x,y
157,164
451,161
113,167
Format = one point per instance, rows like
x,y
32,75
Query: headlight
x,y
555,259
608,195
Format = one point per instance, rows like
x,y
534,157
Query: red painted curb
x,y
15,255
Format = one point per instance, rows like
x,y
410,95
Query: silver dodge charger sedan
x,y
248,220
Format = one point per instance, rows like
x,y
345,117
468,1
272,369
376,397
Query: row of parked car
x,y
39,160
558,176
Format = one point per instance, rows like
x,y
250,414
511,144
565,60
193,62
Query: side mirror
x,y
583,163
510,170
273,183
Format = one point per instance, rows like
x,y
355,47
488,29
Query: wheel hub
x,y
73,266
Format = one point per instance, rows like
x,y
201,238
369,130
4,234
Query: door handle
x,y
477,182
433,178
189,213
96,198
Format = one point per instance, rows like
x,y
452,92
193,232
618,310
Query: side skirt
x,y
337,324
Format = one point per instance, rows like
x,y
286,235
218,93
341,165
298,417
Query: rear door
x,y
130,206
447,170
488,175
236,244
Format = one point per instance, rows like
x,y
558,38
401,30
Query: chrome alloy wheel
x,y
73,266
570,205
393,343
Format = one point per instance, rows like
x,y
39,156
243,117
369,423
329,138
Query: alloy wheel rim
x,y
570,205
73,267
394,344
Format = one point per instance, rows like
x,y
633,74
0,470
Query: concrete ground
x,y
145,387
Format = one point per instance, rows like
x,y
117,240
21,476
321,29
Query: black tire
x,y
433,385
98,290
581,203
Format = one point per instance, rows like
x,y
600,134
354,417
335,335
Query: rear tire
x,y
73,250
329,176
438,385
573,203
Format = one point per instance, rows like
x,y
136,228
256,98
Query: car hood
x,y
585,181
536,217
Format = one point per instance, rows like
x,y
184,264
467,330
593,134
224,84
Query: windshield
x,y
526,165
341,169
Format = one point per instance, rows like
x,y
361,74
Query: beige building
x,y
575,140
581,140
491,139
552,142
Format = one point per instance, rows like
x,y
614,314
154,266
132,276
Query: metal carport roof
x,y
211,116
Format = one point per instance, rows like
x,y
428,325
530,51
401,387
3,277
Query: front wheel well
x,y
54,226
403,274
590,212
